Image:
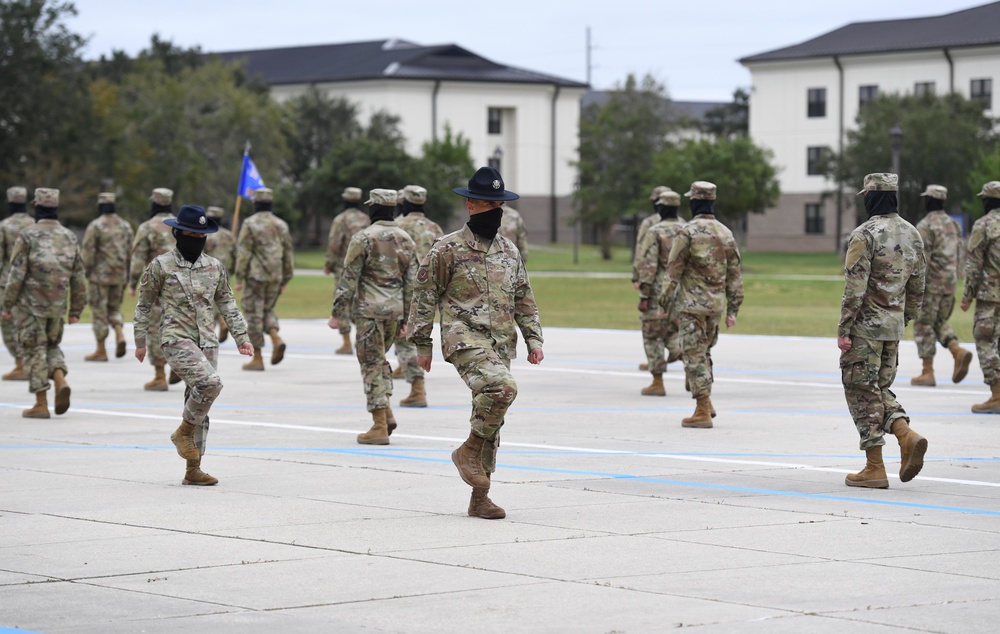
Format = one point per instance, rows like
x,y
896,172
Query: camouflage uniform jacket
x,y
46,265
982,266
221,245
703,270
640,234
342,229
10,228
482,290
943,249
379,271
265,251
152,238
652,258
188,293
884,279
422,229
105,249
512,228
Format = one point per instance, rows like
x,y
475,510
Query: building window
x,y
816,158
923,89
493,117
866,94
814,219
982,89
817,102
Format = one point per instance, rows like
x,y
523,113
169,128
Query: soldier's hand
x,y
327,271
402,330
844,343
643,304
535,356
246,349
965,305
635,285
333,323
131,292
730,321
73,320
239,286
140,354
5,315
425,363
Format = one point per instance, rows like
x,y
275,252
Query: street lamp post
x,y
896,137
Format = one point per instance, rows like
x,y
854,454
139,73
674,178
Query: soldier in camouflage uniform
x,y
105,252
512,228
221,245
46,265
640,233
942,238
347,223
152,239
704,282
982,283
264,263
424,232
190,286
884,285
374,289
10,228
478,281
659,328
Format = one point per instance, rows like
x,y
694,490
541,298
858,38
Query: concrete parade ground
x,y
618,519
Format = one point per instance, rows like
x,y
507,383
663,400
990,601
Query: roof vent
x,y
391,69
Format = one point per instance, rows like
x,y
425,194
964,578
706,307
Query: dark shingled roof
x,y
978,26
380,59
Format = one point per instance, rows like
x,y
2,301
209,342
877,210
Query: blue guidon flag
x,y
249,178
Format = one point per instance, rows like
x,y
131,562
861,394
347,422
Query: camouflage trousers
x,y
406,352
153,348
493,390
659,334
698,335
345,323
931,324
986,330
868,370
259,299
375,337
8,328
105,307
197,367
40,338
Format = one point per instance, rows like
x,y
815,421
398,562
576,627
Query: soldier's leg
x,y
97,298
945,333
493,390
115,295
984,329
654,341
674,351
924,326
271,293
197,367
888,361
695,343
54,358
34,348
375,371
253,311
10,339
860,367
406,352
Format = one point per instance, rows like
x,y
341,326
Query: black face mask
x,y
45,213
159,209
409,207
262,206
933,204
106,208
989,204
381,212
17,208
350,204
189,246
485,224
699,206
880,203
667,211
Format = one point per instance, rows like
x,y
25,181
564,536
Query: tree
x,y
446,163
731,119
987,169
618,140
941,141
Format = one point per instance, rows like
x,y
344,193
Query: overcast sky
x,y
690,46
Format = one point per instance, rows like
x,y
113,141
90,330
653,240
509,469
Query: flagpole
x,y
236,217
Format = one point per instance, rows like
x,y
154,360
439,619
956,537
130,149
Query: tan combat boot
x,y
873,475
277,347
194,475
256,364
62,391
656,387
390,420
926,377
912,447
379,432
174,377
417,397
468,458
183,439
40,409
346,348
962,358
159,382
674,356
702,417
223,330
644,367
101,354
482,506
398,372
992,404
18,373
119,342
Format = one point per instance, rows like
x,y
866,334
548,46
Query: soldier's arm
x,y
18,269
857,269
226,303
734,281
522,241
150,285
433,277
676,263
331,246
243,248
915,288
77,288
287,257
347,283
974,263
526,310
140,256
409,280
88,247
4,256
647,258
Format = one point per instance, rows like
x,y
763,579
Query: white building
x,y
805,97
524,123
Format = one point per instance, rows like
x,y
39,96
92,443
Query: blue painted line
x,y
14,630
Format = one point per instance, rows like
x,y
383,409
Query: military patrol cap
x,y
415,194
936,191
486,184
384,197
669,198
990,190
263,195
162,196
17,195
352,194
659,189
701,190
215,212
881,182
106,198
192,218
46,197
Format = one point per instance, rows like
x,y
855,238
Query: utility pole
x,y
588,56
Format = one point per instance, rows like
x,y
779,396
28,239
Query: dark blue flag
x,y
249,178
